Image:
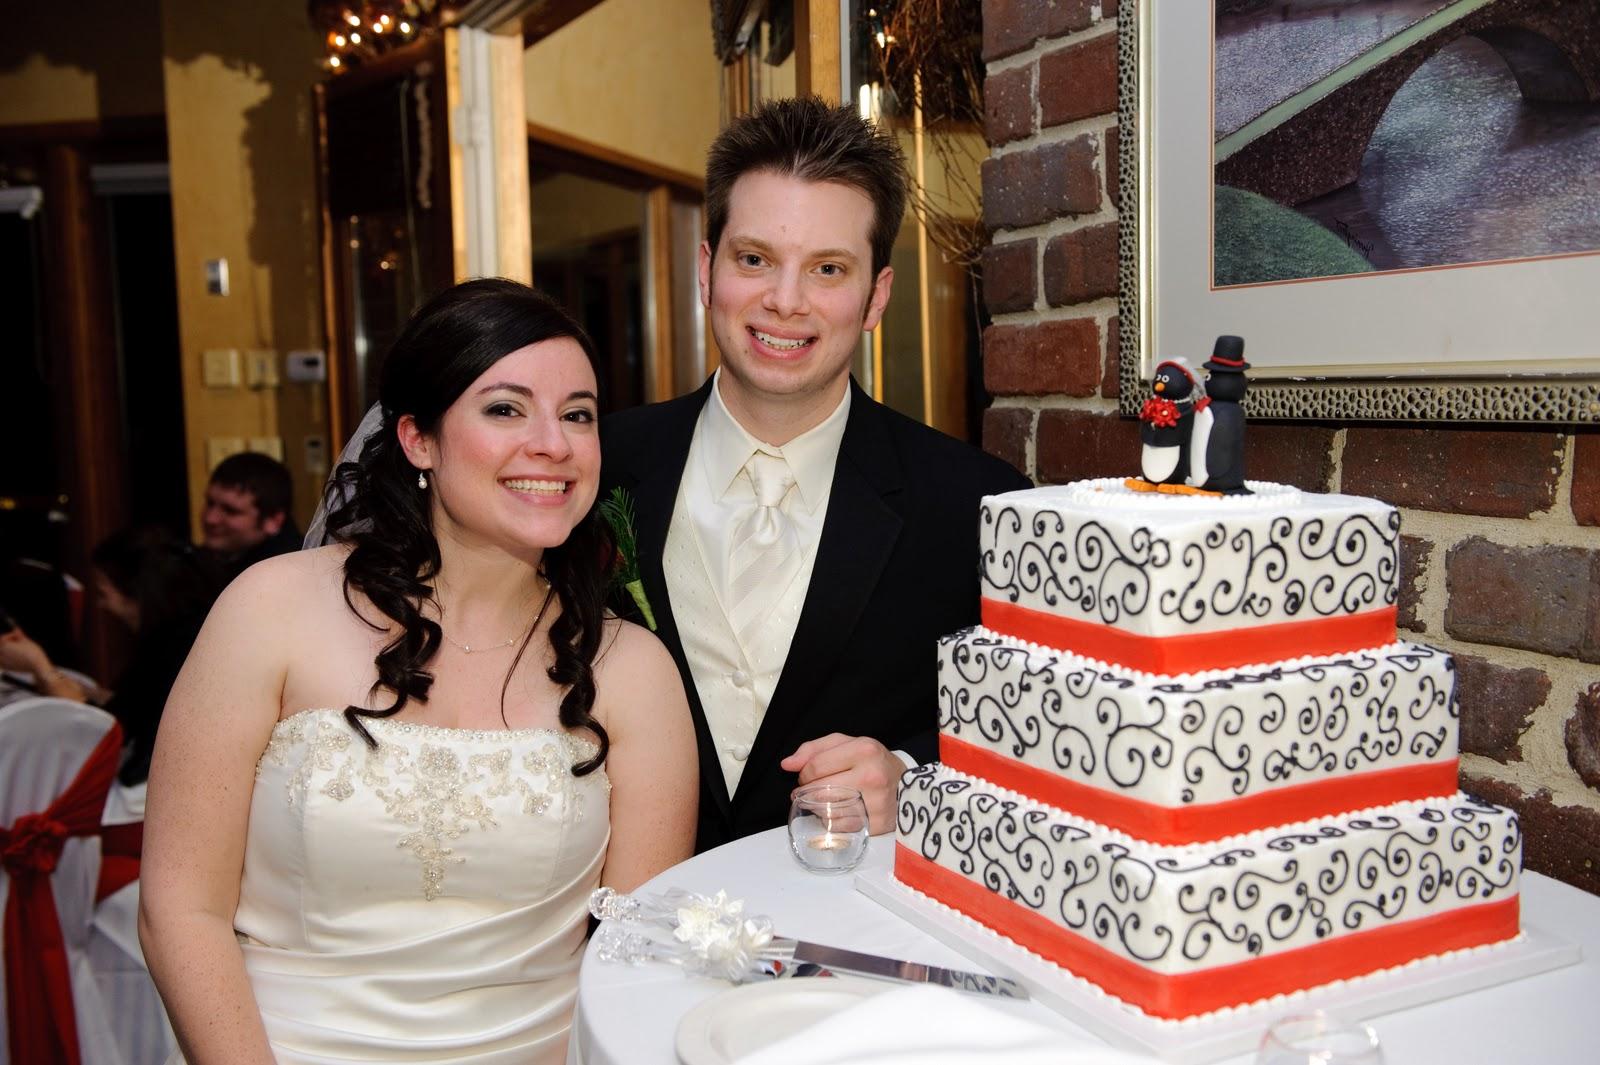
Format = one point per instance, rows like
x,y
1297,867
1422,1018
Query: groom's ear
x,y
416,444
879,299
705,274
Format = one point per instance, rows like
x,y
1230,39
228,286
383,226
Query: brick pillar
x,y
1050,274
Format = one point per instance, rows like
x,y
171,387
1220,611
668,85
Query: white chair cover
x,y
43,744
126,989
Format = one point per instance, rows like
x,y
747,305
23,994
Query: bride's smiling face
x,y
515,460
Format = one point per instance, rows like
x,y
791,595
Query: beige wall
x,y
637,76
239,125
96,59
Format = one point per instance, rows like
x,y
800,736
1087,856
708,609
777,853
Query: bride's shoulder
x,y
634,665
286,582
296,572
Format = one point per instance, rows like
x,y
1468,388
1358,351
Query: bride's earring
x,y
422,481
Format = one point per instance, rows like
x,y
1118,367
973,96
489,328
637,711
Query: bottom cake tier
x,y
1181,931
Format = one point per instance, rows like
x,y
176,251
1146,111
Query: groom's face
x,y
790,287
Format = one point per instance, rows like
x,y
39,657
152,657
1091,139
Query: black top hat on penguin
x,y
1226,367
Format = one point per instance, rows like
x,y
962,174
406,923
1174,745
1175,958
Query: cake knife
x,y
840,960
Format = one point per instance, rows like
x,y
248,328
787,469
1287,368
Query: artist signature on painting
x,y
1351,240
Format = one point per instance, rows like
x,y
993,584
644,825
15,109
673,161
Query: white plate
x,y
742,1020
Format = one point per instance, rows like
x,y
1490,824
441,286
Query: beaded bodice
x,y
452,859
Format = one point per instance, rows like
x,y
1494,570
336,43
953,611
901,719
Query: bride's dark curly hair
x,y
377,508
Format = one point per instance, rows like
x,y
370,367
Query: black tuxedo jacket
x,y
896,568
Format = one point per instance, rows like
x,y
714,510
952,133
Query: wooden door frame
x,y
661,186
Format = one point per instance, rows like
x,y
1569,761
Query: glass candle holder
x,y
828,828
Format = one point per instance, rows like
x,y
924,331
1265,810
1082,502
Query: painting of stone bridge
x,y
1353,136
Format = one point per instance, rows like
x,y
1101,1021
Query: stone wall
x,y
1501,557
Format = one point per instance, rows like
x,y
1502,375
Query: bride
x,y
393,768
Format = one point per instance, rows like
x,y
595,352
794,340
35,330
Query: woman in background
x,y
159,588
394,768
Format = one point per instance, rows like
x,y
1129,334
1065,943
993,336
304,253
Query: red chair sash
x,y
120,846
39,1015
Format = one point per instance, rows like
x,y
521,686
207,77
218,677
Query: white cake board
x,y
1229,1032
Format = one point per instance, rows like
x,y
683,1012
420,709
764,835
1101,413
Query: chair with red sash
x,y
58,760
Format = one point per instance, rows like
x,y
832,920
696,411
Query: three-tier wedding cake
x,y
1186,758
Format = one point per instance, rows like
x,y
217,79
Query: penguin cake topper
x,y
1192,431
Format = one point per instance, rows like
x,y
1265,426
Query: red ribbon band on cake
x,y
1202,822
1195,651
1187,994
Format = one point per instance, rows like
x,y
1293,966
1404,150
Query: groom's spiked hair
x,y
806,138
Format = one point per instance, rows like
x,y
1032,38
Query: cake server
x,y
840,960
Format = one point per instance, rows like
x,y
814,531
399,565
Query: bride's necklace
x,y
466,650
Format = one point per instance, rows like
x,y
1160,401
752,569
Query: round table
x,y
629,1015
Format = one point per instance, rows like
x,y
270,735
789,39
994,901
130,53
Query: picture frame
x,y
1509,341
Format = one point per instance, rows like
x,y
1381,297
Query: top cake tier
x,y
1178,583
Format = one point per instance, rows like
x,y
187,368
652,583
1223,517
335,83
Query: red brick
x,y
1558,841
1583,736
1301,455
1544,599
1008,105
1081,266
1078,81
1111,379
1029,187
1075,444
1497,705
1043,358
1586,480
1005,434
1415,553
1009,26
1112,167
1497,473
1010,276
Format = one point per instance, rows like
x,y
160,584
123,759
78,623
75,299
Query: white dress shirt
x,y
735,682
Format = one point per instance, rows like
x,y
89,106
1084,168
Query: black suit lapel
x,y
654,473
858,536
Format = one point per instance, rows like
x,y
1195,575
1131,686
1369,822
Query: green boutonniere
x,y
617,510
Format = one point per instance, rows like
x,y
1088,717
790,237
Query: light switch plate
x,y
220,447
261,369
266,445
219,367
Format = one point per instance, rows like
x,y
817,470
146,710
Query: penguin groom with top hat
x,y
1216,438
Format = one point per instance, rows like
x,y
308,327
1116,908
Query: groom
x,y
802,546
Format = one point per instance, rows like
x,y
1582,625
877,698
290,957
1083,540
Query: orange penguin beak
x,y
1160,386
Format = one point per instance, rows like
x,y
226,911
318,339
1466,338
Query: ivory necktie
x,y
765,553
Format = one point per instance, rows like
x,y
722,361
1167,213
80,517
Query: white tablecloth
x,y
629,1016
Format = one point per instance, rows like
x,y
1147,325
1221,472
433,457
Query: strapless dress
x,y
424,901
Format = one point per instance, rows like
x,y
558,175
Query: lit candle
x,y
828,842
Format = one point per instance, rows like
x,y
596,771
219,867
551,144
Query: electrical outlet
x,y
267,445
219,367
316,449
220,447
261,369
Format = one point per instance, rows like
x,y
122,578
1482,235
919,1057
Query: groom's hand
x,y
855,762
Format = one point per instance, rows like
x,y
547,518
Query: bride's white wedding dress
x,y
422,902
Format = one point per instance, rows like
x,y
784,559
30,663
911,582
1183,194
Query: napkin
x,y
927,1025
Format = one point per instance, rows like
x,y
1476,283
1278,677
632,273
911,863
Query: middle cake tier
x,y
1194,757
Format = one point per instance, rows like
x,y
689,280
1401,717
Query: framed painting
x,y
1392,201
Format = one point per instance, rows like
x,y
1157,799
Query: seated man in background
x,y
246,514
